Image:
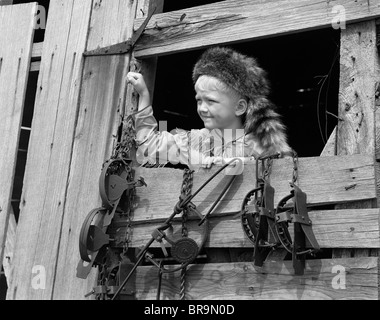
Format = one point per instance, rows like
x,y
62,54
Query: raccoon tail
x,y
266,125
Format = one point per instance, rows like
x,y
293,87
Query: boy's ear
x,y
241,107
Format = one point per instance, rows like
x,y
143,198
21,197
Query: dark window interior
x,y
303,69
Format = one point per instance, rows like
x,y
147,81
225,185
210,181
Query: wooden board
x,y
244,20
326,180
99,114
274,281
50,151
359,75
9,246
16,37
330,147
332,229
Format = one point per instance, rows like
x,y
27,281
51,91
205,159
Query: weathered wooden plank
x,y
359,74
9,246
50,151
16,37
243,20
330,147
332,229
100,110
358,78
326,180
327,279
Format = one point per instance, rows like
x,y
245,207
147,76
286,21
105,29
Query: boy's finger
x,y
134,75
131,80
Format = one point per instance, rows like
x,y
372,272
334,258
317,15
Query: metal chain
x,y
186,189
268,168
128,233
182,293
127,142
123,151
295,167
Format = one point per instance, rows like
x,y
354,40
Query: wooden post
x,y
16,37
48,165
9,246
100,111
359,76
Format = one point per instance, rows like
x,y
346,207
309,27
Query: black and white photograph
x,y
191,156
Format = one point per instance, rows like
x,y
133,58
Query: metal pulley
x,y
115,180
185,250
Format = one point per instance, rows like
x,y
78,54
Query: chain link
x,y
127,141
123,150
182,294
295,168
186,189
268,168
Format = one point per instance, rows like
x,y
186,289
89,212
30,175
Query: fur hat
x,y
243,74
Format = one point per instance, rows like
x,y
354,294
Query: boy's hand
x,y
138,82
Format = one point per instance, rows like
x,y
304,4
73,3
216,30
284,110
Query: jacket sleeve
x,y
159,147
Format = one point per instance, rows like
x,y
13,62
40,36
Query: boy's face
x,y
217,105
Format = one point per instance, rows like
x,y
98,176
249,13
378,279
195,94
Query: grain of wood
x,y
330,147
274,281
358,78
50,150
326,180
243,20
332,229
359,73
99,114
16,37
9,247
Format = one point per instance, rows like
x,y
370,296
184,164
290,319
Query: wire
x,y
325,78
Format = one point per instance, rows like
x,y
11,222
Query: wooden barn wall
x,y
78,108
50,151
74,120
99,114
16,38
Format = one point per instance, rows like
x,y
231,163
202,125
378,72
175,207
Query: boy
x,y
239,120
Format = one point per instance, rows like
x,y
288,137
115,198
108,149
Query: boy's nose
x,y
202,107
